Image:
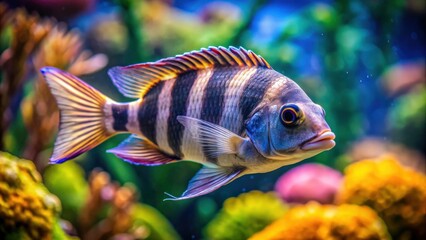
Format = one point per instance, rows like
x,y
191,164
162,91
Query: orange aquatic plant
x,y
396,193
321,222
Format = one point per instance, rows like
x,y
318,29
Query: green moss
x,y
245,215
157,225
59,234
68,183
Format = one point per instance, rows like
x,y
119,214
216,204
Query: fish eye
x,y
291,115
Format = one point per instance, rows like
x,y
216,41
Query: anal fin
x,y
138,151
207,180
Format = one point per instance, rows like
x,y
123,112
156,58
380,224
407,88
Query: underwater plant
x,y
309,182
68,183
100,208
323,222
27,209
23,33
33,43
396,193
245,215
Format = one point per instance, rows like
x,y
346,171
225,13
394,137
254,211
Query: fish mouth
x,y
323,141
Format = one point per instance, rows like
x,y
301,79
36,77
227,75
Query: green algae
x,y
245,215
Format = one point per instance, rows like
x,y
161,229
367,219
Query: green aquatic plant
x,y
153,222
245,215
396,193
323,222
27,209
68,183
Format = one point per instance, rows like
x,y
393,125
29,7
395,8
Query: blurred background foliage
x,y
363,61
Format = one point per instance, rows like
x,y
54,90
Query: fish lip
x,y
323,141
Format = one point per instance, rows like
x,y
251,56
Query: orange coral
x,y
396,193
315,221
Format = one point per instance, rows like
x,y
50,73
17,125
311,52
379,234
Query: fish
x,y
225,108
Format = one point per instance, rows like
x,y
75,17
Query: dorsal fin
x,y
135,80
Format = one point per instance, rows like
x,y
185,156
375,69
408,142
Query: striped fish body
x,y
224,108
224,96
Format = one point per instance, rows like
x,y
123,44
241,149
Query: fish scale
x,y
225,108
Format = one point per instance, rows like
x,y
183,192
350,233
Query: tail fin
x,y
82,125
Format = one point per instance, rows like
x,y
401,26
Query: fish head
x,y
299,130
290,129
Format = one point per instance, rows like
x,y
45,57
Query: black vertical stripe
x,y
180,95
214,98
255,90
214,95
120,116
147,113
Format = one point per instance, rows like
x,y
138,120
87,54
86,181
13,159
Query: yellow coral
x,y
315,221
25,204
396,193
244,215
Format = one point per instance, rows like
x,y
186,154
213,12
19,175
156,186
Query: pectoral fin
x,y
136,150
207,180
215,139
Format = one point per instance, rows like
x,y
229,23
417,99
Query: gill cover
x,y
257,128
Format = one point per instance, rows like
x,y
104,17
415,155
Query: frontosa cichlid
x,y
225,108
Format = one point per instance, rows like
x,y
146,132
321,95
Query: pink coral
x,y
309,182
